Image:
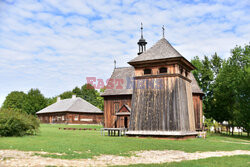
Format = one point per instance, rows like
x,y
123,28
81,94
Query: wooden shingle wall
x,y
167,108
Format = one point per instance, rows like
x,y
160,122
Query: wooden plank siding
x,y
166,108
197,101
121,121
109,108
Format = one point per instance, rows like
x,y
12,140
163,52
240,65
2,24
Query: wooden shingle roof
x,y
194,84
161,50
71,105
127,73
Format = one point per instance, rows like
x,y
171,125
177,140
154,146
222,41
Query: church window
x,y
163,70
147,71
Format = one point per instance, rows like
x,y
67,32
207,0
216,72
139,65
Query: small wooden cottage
x,y
159,95
71,111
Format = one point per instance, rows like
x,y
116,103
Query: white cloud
x,y
55,45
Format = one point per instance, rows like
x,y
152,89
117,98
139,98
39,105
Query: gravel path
x,y
9,158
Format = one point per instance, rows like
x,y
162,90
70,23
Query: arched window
x,y
147,71
163,70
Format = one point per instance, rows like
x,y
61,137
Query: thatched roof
x,y
161,50
76,104
127,73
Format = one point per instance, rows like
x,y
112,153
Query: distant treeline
x,y
226,84
34,100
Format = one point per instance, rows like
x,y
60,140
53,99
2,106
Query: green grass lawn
x,y
228,161
85,144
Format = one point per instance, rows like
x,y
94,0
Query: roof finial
x,y
142,42
114,64
141,30
163,31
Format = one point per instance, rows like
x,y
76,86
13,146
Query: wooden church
x,y
159,95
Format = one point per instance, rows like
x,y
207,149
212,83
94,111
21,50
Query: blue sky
x,y
54,45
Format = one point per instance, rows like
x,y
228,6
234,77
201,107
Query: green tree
x,y
241,57
197,72
51,100
89,94
243,97
34,102
216,62
66,95
231,90
204,76
77,92
14,100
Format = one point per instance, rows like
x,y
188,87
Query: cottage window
x,y
163,70
63,117
76,118
147,71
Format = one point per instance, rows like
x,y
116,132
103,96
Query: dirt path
x,y
10,158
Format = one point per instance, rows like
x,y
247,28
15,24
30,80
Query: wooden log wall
x,y
82,118
109,108
167,108
197,101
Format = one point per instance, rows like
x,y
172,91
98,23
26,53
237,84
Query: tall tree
x,y
231,96
66,95
77,91
88,93
14,100
197,72
204,76
51,100
34,102
216,62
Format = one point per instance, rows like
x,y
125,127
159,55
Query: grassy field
x,y
235,161
86,144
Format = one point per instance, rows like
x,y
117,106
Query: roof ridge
x,y
124,67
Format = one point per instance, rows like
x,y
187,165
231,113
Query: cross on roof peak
x,y
163,31
141,30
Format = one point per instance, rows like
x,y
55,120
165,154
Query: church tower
x,y
142,42
162,102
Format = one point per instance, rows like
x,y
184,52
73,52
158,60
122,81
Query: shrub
x,y
17,123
